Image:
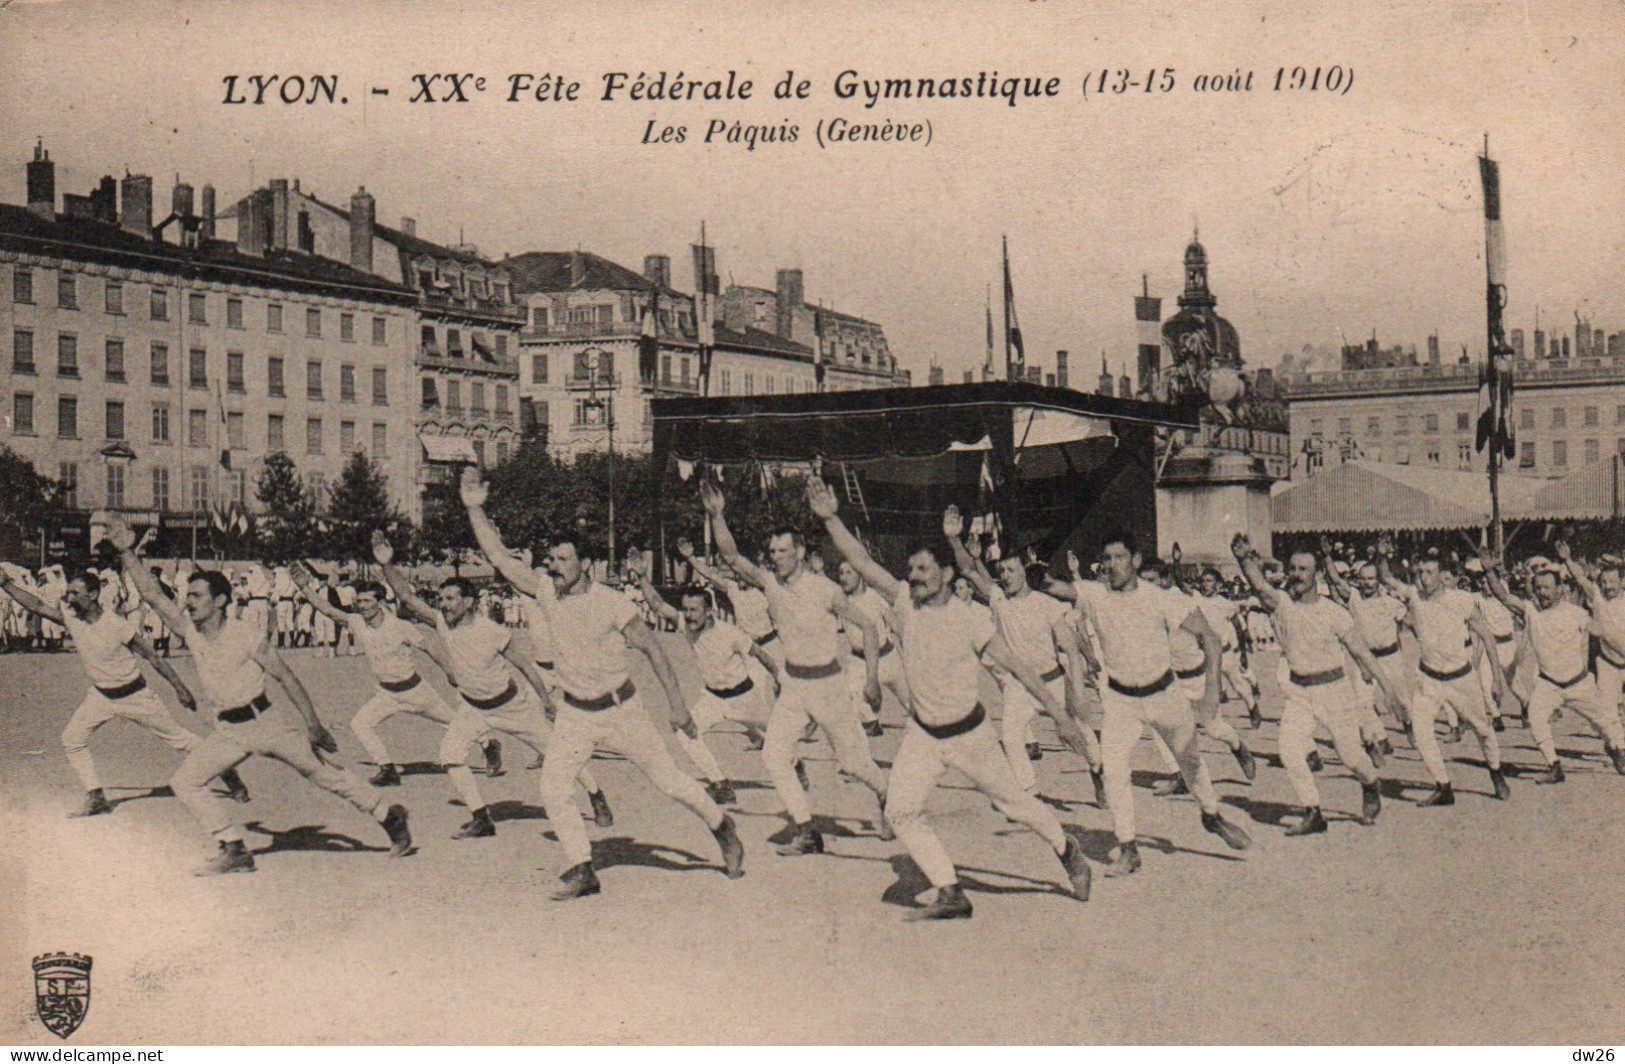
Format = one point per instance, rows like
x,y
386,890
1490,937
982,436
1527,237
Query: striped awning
x,y
1364,496
1595,493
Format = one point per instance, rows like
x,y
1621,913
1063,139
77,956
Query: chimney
x,y
1125,387
180,201
206,229
254,223
735,315
791,298
279,213
1106,380
104,201
78,206
1433,349
363,216
42,184
657,268
136,201
578,268
1060,369
409,226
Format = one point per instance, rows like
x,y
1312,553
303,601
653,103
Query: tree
x,y
288,523
356,505
445,535
29,501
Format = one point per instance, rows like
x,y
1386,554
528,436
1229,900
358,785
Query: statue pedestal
x,y
1204,497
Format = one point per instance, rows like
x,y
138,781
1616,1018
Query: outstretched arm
x,y
1385,572
686,551
434,652
474,493
305,580
1212,652
1577,572
1242,548
384,555
953,526
143,647
532,675
146,585
1334,580
1498,588
28,600
640,638
822,502
277,669
651,595
1360,651
1065,726
711,498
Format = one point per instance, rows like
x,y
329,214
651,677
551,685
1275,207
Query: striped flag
x,y
1495,423
1016,369
225,438
1148,326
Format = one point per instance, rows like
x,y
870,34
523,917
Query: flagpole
x,y
1499,379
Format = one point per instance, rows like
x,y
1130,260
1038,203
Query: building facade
x,y
138,355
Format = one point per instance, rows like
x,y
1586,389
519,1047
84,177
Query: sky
x,y
1325,216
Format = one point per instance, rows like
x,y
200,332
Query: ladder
x,y
854,490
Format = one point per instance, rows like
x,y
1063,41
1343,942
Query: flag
x,y
987,366
1148,326
225,440
1012,327
818,347
1495,423
649,339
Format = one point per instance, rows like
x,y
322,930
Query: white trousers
x,y
1329,705
1466,699
1583,698
825,701
709,710
143,708
1126,717
422,701
1021,709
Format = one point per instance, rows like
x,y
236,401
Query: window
x,y
502,345
115,360
197,368
1619,414
235,431
1402,424
197,428
750,383
538,317
1588,417
115,420
727,382
346,383
538,370
1560,454
313,435
502,399
346,437
1526,418
1526,454
770,386
1560,417
427,339
67,473
502,451
313,379
199,486
313,323
160,489
1433,454
275,427
67,418
476,397
317,483
1464,422
454,343
273,317
380,386
431,397
160,422
1593,451
273,377
665,369
22,352
347,328
380,333
22,285
454,396
158,306
22,414
160,365
67,355
479,453
380,440
1431,423
67,291
1402,454
115,297
115,486
1345,425
197,305
234,313
234,372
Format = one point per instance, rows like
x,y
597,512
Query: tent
x,y
1595,493
1363,496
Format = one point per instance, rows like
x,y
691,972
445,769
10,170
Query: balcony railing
x,y
1452,377
583,381
577,330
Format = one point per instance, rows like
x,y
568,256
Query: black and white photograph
x,y
709,523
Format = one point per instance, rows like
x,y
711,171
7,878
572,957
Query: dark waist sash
x,y
735,691
124,690
1053,675
1191,673
1317,679
602,702
398,686
958,727
764,640
857,652
812,672
1560,685
1387,651
244,714
1145,691
1446,677
544,664
497,702
1504,638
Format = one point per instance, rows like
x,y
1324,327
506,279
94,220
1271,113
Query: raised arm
x,y
312,592
474,493
146,585
651,595
1247,556
1334,580
822,502
27,599
953,526
1066,592
686,551
712,499
1385,572
143,648
640,638
1498,588
384,555
1577,572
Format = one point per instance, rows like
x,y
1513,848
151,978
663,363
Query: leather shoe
x,y
1035,751
386,776
1233,836
601,814
493,759
1443,794
1553,773
801,776
1248,763
236,789
874,729
806,841
1617,755
1498,780
400,838
1498,723
721,792
1370,802
1077,867
1374,752
733,851
949,904
479,826
1315,762
1126,862
95,804
1313,823
233,857
579,881
1099,780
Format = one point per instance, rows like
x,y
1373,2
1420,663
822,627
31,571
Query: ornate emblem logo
x,y
62,991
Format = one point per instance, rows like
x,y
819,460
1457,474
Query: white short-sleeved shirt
x,y
1497,616
1134,628
803,612
588,632
542,644
942,648
1441,627
1311,633
1378,618
1221,617
722,650
475,649
225,663
104,647
388,647
1561,638
1027,622
1609,625
1184,649
869,603
751,611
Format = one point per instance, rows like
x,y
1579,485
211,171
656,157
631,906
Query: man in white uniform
x,y
595,626
1134,622
1377,615
107,645
806,610
479,652
1223,616
1560,636
1314,633
1445,621
867,601
1606,597
233,658
943,640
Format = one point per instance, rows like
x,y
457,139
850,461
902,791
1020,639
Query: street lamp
x,y
606,407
